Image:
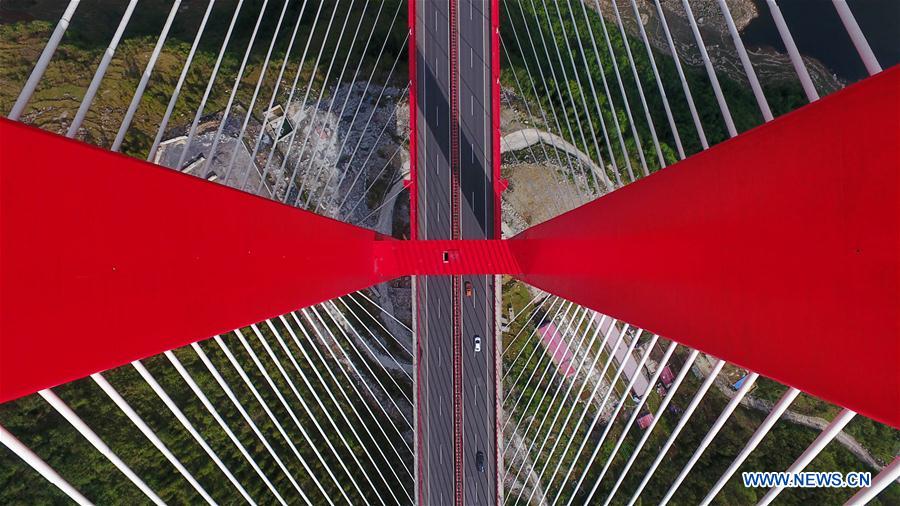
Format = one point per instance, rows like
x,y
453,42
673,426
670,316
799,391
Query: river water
x,y
818,32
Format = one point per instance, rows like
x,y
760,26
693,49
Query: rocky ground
x,y
345,157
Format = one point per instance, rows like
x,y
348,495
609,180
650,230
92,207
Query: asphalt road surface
x,y
434,294
477,220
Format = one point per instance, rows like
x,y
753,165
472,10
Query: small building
x,y
556,345
193,164
278,124
645,421
739,383
666,377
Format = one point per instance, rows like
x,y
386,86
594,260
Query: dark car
x,y
479,461
468,289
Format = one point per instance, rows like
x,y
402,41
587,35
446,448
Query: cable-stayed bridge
x,y
387,252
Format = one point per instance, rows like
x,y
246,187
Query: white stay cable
x,y
562,67
38,464
611,326
347,361
375,338
856,35
710,71
637,83
796,59
309,412
544,122
259,399
362,400
551,429
812,451
248,113
546,87
288,103
145,78
559,382
549,354
84,429
163,124
364,361
659,85
268,111
670,394
315,109
362,294
554,79
149,434
25,96
340,77
237,83
518,315
745,62
309,85
621,83
175,410
584,413
320,404
611,154
609,97
185,375
534,350
749,380
100,72
375,318
355,116
634,414
237,404
888,476
343,413
615,414
562,24
290,411
209,85
695,401
780,407
359,141
684,84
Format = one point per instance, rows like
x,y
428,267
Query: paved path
x,y
522,139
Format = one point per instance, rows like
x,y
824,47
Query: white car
x,y
477,341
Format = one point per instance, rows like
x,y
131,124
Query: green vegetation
x,y
568,93
25,26
34,422
777,451
62,88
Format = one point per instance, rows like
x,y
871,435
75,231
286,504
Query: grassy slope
x,y
62,88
